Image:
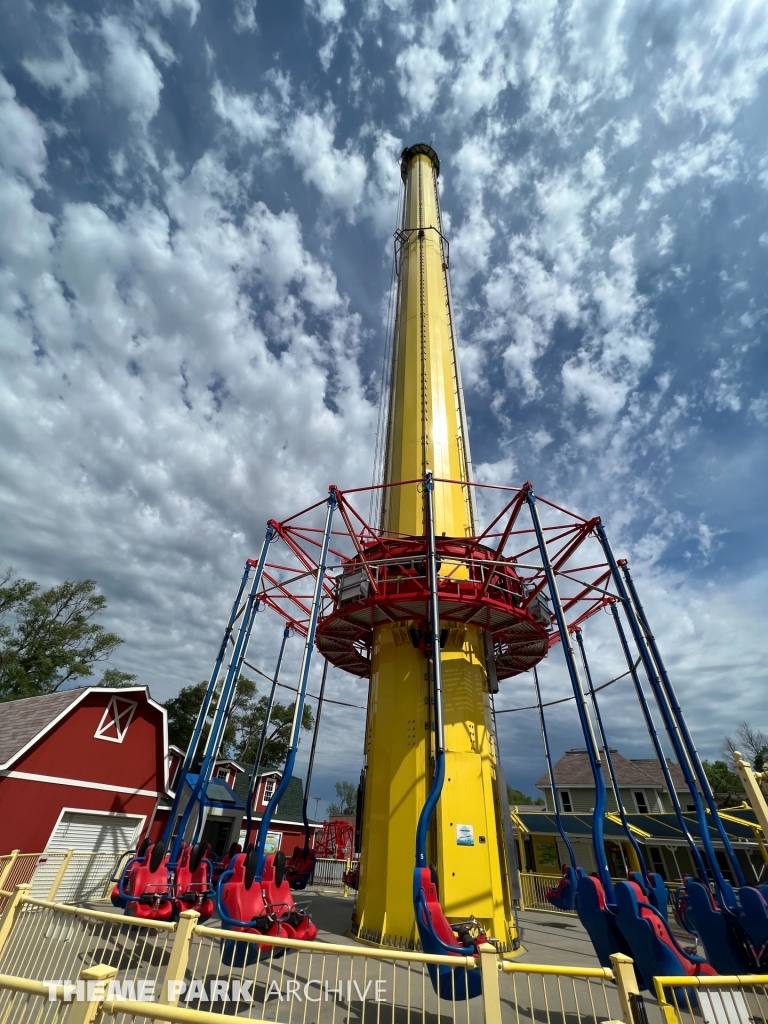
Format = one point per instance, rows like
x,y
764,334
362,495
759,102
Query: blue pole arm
x,y
205,707
199,790
551,772
661,703
312,760
677,711
608,759
681,819
263,738
437,682
598,815
301,693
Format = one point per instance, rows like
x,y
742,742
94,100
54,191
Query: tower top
x,y
411,151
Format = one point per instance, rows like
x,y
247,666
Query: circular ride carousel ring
x,y
386,584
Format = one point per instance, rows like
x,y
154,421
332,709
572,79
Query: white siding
x,y
98,840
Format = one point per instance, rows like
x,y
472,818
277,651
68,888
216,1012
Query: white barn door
x,y
98,840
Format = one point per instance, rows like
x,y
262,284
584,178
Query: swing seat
x,y
244,910
279,899
299,868
193,890
754,919
654,949
654,890
226,861
144,889
438,936
352,877
716,932
681,909
599,922
564,896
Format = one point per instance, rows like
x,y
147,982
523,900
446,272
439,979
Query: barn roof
x,y
573,769
24,721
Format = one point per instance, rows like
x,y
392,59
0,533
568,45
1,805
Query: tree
x,y
753,743
244,724
347,794
721,778
50,638
517,798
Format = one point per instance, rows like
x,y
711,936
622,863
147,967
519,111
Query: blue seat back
x,y
564,896
714,932
598,920
754,915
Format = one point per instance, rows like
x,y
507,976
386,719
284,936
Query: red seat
x,y
450,934
244,904
193,889
150,890
279,901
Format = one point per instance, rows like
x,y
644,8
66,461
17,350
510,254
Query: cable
x,y
563,700
326,700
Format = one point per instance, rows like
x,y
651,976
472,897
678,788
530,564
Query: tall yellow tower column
x,y
427,432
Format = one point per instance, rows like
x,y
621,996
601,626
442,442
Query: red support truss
x,y
493,582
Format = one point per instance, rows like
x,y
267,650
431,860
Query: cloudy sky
x,y
197,201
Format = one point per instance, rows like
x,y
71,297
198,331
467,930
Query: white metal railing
x,y
329,872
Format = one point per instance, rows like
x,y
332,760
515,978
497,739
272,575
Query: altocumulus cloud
x,y
195,260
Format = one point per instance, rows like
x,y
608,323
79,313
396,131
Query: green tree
x,y
49,638
517,798
753,743
244,724
721,778
347,803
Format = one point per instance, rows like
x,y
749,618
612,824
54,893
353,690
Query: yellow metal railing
x,y
717,999
281,981
65,875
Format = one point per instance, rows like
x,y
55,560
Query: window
x,y
565,800
222,773
657,861
640,802
269,789
116,719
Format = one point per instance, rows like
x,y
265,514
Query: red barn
x,y
82,769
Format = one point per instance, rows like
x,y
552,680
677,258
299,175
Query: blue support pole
x,y
437,681
661,702
677,711
287,632
551,772
301,693
608,758
197,796
205,707
598,817
312,760
681,819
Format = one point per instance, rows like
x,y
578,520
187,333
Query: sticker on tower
x,y
465,835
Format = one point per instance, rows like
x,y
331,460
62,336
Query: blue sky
x,y
197,201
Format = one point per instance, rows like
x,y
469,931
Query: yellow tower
x,y
427,432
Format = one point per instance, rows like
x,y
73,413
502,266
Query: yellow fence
x,y
53,957
65,875
720,999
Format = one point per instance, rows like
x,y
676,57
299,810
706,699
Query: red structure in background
x,y
337,840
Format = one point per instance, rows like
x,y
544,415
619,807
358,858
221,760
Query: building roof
x,y
22,721
573,769
660,827
289,808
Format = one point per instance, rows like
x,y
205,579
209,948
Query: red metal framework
x,y
486,581
337,839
